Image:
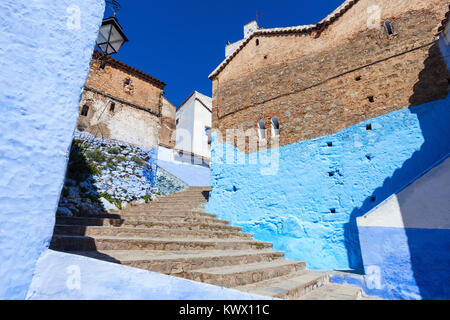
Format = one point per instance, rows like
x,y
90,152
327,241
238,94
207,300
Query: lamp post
x,y
111,37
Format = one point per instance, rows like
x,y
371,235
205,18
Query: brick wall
x,y
320,84
121,104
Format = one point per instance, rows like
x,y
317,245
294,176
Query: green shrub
x,y
114,151
147,198
138,160
95,155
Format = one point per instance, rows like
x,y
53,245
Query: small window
x,y
127,82
85,111
371,99
275,126
257,42
112,107
388,27
177,122
262,129
358,78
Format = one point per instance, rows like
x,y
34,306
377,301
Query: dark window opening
x,y
85,111
178,121
371,99
373,199
333,210
127,82
388,26
112,107
275,126
331,174
358,78
265,57
369,157
330,144
262,129
234,189
369,127
257,42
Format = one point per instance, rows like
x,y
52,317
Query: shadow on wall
x,y
432,85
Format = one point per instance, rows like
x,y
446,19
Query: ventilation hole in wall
x,y
331,174
369,126
85,111
127,82
257,42
373,199
388,27
333,210
358,78
371,99
234,189
369,157
330,144
265,57
112,107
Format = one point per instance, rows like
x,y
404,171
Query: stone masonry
x,y
321,81
125,104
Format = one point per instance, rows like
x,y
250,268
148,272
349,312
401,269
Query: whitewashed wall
x,y
45,50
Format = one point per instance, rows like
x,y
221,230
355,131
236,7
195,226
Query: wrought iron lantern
x,y
111,37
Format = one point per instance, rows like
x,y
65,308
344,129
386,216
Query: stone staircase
x,y
172,235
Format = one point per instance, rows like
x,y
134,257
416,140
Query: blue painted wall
x,y
45,50
292,207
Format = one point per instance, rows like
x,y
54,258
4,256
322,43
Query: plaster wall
x,y
45,50
125,123
61,276
405,240
194,117
305,197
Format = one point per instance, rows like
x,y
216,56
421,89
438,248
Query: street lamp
x,y
111,37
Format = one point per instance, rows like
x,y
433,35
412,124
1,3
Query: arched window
x,y
85,111
388,26
262,129
275,126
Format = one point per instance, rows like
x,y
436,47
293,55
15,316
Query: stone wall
x,y
168,126
45,50
125,123
105,175
320,84
119,104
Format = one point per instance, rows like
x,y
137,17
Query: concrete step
x,y
82,243
292,286
138,223
241,275
155,210
334,292
155,218
174,202
185,213
92,231
181,262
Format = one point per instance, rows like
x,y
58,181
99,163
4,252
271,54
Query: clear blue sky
x,y
182,42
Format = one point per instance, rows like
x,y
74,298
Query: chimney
x,y
249,28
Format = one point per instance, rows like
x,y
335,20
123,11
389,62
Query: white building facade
x,y
193,122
